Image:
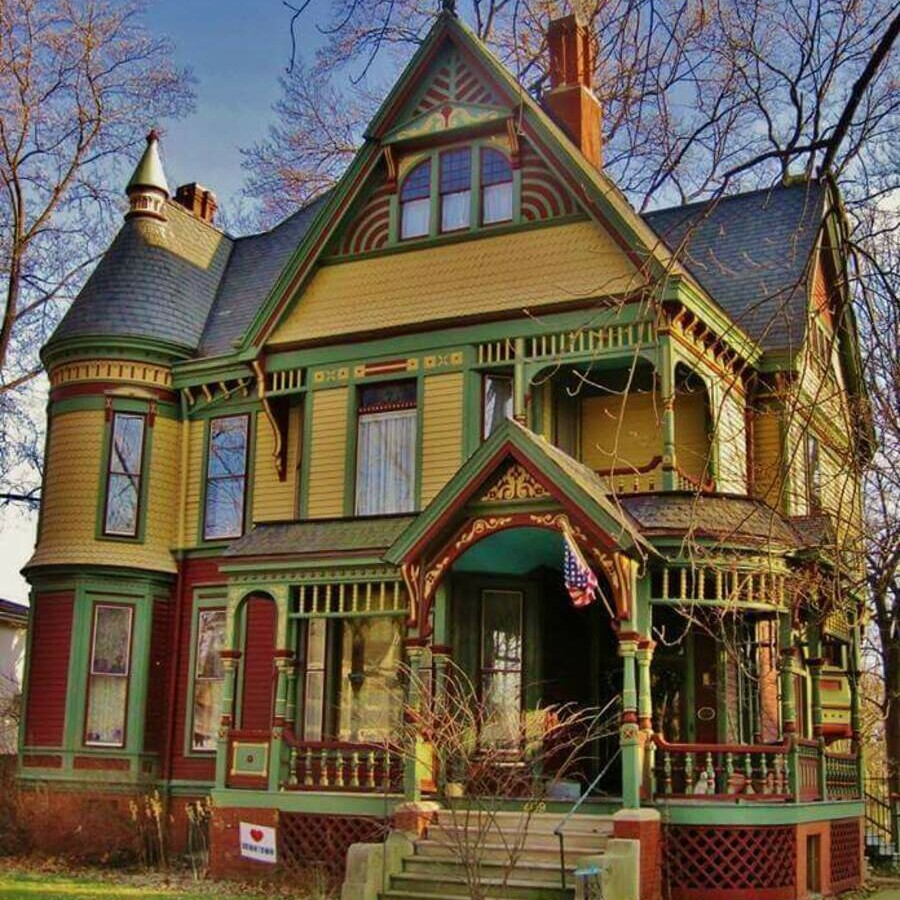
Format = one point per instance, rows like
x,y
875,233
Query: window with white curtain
x,y
415,202
456,189
496,187
386,449
110,666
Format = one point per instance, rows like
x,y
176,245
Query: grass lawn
x,y
16,885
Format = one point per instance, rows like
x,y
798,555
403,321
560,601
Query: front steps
x,y
516,858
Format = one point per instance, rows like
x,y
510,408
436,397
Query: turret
x,y
147,189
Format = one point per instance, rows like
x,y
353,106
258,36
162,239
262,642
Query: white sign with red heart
x,y
258,842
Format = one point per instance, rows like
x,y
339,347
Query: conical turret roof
x,y
149,172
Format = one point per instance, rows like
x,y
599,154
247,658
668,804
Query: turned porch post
x,y
667,420
629,736
814,664
520,388
416,653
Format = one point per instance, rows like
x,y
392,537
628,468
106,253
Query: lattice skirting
x,y
757,863
846,854
307,841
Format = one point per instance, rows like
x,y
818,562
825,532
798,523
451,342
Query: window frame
x,y
481,187
201,606
442,194
429,196
245,497
353,445
96,605
108,474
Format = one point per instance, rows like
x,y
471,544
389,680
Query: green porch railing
x,y
795,769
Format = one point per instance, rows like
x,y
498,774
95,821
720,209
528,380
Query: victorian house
x,y
281,467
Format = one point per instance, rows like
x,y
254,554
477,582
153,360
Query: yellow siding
x,y
605,444
692,446
731,439
507,272
325,491
275,500
442,431
194,481
767,477
73,487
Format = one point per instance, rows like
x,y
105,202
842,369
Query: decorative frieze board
x,y
350,599
317,573
111,370
723,583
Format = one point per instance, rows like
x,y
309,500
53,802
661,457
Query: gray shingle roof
x,y
712,516
326,537
750,252
157,280
255,264
15,613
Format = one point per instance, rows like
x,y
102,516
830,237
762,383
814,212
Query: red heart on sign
x,y
256,834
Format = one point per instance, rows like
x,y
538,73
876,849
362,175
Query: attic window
x,y
415,202
496,187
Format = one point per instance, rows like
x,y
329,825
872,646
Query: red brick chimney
x,y
570,100
198,200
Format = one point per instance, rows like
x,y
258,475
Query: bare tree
x,y
80,81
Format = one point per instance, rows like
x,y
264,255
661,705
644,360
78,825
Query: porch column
x,y
667,420
411,765
229,665
629,736
519,382
788,686
855,708
645,699
280,762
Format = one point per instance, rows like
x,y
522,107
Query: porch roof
x,y
325,537
708,515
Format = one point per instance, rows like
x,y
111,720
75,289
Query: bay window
x,y
456,189
226,477
386,449
496,187
209,675
123,475
415,202
110,665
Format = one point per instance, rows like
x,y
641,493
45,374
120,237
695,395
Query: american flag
x,y
581,582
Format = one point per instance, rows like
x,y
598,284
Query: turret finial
x,y
147,188
448,7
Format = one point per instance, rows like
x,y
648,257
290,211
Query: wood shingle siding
x,y
507,272
328,442
48,669
620,431
442,432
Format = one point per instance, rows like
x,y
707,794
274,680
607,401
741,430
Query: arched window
x,y
415,202
496,187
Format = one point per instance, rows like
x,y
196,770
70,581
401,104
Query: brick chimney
x,y
198,200
570,100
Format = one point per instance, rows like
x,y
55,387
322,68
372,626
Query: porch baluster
x,y
667,771
729,773
748,773
308,769
779,775
689,773
354,769
323,765
339,768
370,769
292,764
710,775
764,773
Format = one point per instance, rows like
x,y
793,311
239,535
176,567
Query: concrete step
x,y
523,870
457,886
393,894
442,845
578,842
537,823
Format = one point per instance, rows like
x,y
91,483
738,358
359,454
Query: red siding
x,y
154,728
258,664
196,572
48,669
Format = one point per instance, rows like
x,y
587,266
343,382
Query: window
x,y
314,679
123,475
386,449
415,202
496,187
226,478
501,667
813,473
108,676
208,677
497,402
456,189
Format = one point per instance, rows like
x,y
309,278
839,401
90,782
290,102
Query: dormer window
x,y
496,187
415,202
456,189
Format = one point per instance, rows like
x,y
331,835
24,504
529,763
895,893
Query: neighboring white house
x,y
13,626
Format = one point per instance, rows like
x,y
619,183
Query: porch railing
x,y
797,769
343,766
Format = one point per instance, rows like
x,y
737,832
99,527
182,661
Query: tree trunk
x,y
891,672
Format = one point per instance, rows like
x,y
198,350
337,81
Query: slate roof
x,y
10,611
751,253
157,280
255,264
325,537
709,515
